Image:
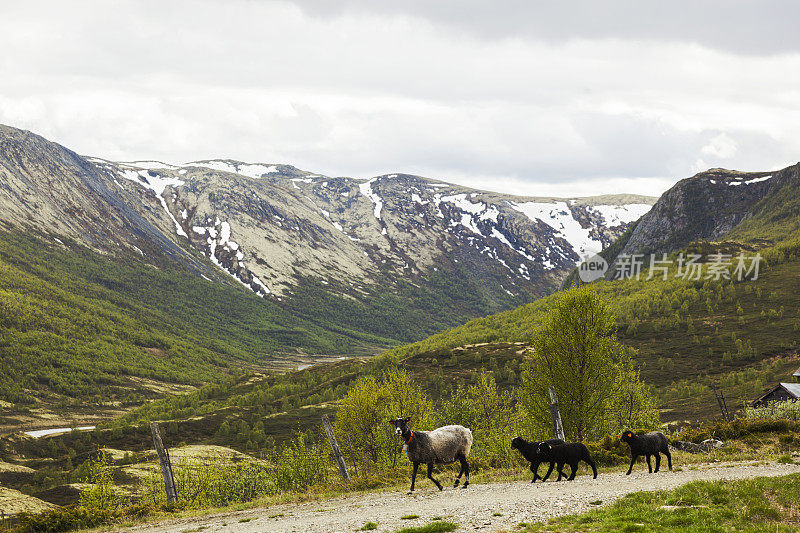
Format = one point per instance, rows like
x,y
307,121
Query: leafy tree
x,y
496,419
362,417
365,411
405,398
578,355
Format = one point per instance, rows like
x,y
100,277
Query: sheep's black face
x,y
627,436
515,442
400,425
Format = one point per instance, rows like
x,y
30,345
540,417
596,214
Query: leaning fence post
x,y
166,465
723,406
558,428
337,453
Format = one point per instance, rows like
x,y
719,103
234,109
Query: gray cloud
x,y
543,100
742,26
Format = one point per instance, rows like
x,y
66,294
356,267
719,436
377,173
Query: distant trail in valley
x,y
471,508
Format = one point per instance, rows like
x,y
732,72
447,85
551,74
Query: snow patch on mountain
x,y
366,190
749,182
558,216
152,165
158,184
615,215
254,171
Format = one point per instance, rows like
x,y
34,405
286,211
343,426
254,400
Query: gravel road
x,y
472,508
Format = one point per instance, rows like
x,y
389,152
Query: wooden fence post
x,y
723,406
337,453
166,465
558,428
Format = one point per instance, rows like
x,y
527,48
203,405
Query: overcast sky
x,y
561,98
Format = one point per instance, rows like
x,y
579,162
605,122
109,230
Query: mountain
x,y
418,253
124,281
688,336
751,207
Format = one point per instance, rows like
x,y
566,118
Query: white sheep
x,y
443,445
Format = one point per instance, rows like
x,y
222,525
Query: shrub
x,y
66,519
102,495
741,427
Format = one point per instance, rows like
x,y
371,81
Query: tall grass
x,y
214,482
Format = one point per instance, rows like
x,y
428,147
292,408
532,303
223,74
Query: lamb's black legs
x,y
535,470
633,460
574,468
430,476
658,461
549,471
669,458
649,467
413,477
560,468
594,467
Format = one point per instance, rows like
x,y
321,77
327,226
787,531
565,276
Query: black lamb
x,y
653,443
443,445
570,454
529,451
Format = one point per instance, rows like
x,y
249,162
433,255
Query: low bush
x,y
73,518
739,428
609,451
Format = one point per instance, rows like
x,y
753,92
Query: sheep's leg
x,y
560,468
549,471
658,461
633,460
574,468
465,468
458,477
649,467
535,470
413,477
430,476
590,462
460,472
669,458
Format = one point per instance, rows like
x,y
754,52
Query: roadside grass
x,y
438,526
753,448
340,489
759,504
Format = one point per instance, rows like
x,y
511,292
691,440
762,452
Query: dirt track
x,y
471,508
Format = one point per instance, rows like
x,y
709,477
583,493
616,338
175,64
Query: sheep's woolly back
x,y
448,441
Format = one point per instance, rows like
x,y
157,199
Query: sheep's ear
x,y
407,419
549,447
393,422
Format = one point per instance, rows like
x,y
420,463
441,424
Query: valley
x,y
236,304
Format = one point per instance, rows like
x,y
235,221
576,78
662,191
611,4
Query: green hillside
x,y
77,326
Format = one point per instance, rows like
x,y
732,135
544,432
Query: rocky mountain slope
x,y
711,205
311,242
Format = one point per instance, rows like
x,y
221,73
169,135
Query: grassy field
x,y
757,505
81,331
